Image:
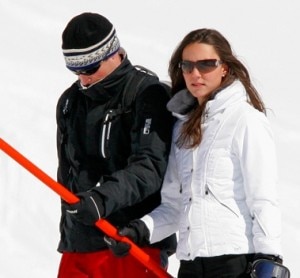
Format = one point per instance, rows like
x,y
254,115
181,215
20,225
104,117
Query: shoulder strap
x,y
134,83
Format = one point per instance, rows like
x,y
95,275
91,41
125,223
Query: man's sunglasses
x,y
203,66
269,269
88,71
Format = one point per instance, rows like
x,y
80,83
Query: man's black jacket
x,y
122,155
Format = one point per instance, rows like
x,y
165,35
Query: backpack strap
x,y
133,85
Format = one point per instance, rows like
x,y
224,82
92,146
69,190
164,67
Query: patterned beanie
x,y
88,39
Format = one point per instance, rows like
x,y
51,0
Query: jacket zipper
x,y
105,133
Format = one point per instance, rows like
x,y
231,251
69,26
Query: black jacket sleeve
x,y
63,108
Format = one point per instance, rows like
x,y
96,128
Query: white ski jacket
x,y
222,195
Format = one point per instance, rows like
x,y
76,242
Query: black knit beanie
x,y
88,39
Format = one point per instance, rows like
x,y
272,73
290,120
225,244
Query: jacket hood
x,y
181,103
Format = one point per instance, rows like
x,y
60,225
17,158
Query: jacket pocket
x,y
105,136
227,205
113,134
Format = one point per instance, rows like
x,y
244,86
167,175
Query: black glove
x,y
88,210
260,256
136,230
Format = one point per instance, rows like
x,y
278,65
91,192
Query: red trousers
x,y
104,264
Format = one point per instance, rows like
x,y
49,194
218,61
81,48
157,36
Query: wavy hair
x,y
191,133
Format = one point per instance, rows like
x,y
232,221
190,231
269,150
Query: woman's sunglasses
x,y
203,66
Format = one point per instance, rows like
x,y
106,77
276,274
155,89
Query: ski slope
x,y
263,33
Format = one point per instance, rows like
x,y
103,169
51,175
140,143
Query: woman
x,y
219,190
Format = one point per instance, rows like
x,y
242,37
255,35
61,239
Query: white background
x,y
264,34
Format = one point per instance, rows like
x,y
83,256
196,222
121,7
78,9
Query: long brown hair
x,y
191,133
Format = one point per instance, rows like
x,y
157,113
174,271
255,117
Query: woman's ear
x,y
224,70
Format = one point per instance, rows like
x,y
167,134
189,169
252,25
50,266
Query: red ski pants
x,y
104,264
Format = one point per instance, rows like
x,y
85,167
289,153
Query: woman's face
x,y
202,81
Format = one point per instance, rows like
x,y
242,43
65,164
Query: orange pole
x,y
69,197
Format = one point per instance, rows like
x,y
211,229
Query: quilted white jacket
x,y
222,196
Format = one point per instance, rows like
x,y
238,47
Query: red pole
x,y
69,197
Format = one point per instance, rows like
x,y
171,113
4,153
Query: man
x,y
112,152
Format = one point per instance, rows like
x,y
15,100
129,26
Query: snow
x,y
263,33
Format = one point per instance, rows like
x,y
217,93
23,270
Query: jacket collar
x,y
227,97
183,101
109,86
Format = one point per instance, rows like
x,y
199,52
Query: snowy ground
x,y
265,35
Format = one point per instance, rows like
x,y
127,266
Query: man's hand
x,y
136,230
88,210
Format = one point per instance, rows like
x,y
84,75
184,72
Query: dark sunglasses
x,y
203,66
269,269
88,71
